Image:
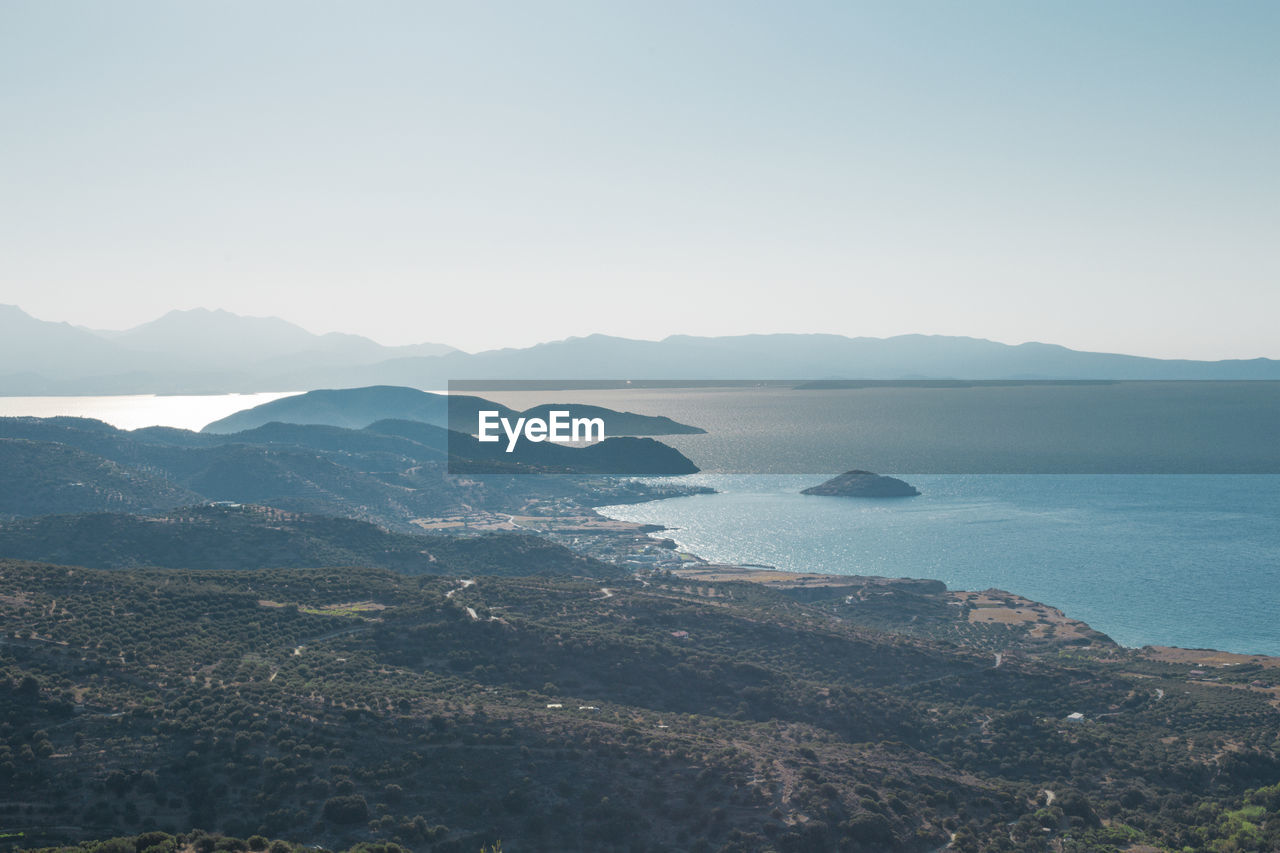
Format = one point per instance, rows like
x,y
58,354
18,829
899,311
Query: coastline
x,y
1149,560
995,620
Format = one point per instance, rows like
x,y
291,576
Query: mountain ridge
x,y
203,351
357,408
383,474
184,351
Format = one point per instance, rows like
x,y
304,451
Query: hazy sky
x,y
1103,175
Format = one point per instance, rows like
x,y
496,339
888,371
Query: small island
x,y
863,484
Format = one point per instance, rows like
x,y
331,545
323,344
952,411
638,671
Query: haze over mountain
x,y
220,337
195,351
202,351
32,349
794,356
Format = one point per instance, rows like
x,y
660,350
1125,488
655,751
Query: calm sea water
x,y
132,411
1186,560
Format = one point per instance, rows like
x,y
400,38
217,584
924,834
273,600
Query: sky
x,y
1100,175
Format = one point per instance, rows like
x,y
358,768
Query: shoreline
x,y
985,607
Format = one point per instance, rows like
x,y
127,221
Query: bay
x,y
1185,560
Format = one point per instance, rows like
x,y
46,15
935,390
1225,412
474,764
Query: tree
x,y
346,809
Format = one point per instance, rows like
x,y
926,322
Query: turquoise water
x,y
1185,560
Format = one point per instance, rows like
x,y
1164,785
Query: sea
x,y
1148,559
134,411
1184,558
1150,510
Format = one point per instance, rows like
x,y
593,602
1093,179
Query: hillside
x,y
39,477
351,408
356,408
384,474
255,538
554,714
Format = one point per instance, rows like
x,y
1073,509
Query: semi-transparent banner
x,y
654,428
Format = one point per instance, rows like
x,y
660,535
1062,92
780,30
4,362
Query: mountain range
x,y
202,351
388,473
197,351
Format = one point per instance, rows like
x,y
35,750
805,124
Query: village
x,y
582,530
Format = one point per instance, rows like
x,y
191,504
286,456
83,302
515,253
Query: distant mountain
x,y
34,351
356,408
352,408
202,351
197,351
788,356
219,338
